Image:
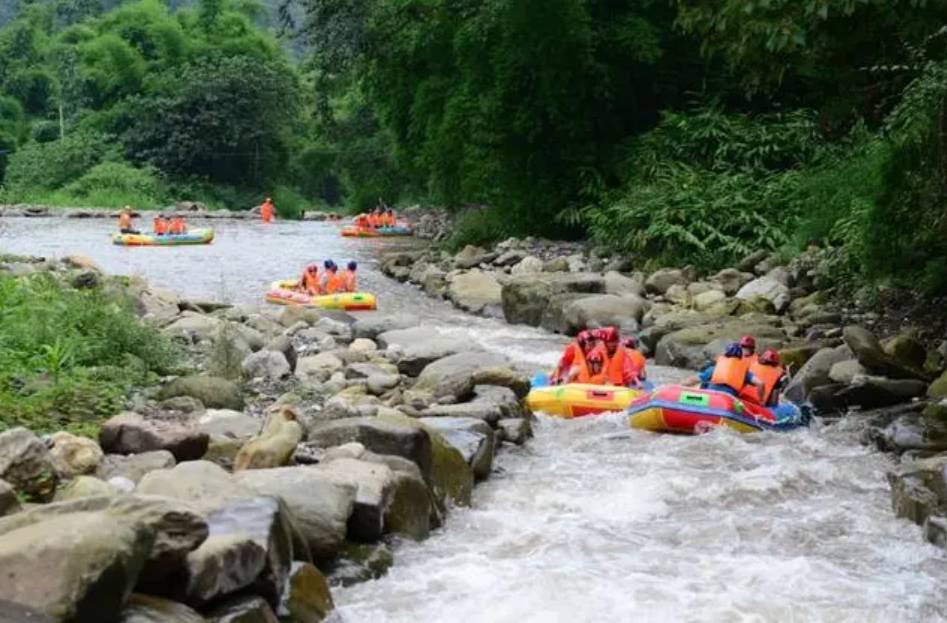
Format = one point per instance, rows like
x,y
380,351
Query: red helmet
x,y
748,341
630,342
608,334
770,357
585,337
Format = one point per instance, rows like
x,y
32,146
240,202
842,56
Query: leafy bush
x,y
479,227
46,166
118,183
68,357
289,203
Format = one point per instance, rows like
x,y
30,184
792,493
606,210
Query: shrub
x,y
47,166
118,183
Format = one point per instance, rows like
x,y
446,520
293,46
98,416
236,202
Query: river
x,y
591,521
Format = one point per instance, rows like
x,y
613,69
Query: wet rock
x,y
797,355
869,352
621,285
825,398
731,280
768,288
283,345
421,346
529,265
381,435
151,609
472,256
694,346
375,488
526,299
25,464
225,423
515,430
602,310
508,402
918,489
84,487
135,466
372,327
275,444
815,373
194,327
409,511
306,597
661,280
320,504
318,368
937,389
104,554
213,392
456,376
133,433
475,291
222,565
913,432
844,372
9,502
74,456
265,364
472,437
361,563
243,609
907,350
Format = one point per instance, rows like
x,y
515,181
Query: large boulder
x,y
375,488
213,392
74,456
907,350
661,280
195,327
815,373
622,285
697,345
918,489
474,439
844,372
151,609
372,326
265,364
707,300
455,377
134,466
243,609
159,306
9,502
937,389
26,465
472,256
767,288
320,504
75,567
514,430
526,298
420,346
133,433
398,437
731,280
227,424
602,310
474,291
84,487
306,597
874,392
318,368
869,352
276,443
527,266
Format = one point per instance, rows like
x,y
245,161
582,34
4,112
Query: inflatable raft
x,y
692,411
283,293
194,236
352,231
574,400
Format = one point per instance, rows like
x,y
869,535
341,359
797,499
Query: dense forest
x,y
677,130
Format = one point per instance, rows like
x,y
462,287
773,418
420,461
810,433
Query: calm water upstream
x,y
592,522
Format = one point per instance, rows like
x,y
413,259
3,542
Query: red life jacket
x,y
731,371
333,282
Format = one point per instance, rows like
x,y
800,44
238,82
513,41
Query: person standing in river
x,y
267,210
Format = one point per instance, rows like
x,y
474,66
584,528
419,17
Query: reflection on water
x,y
591,522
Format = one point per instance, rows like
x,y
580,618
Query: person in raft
x,y
126,223
331,280
620,367
729,374
748,347
160,225
267,210
767,369
573,365
349,279
177,226
630,345
309,282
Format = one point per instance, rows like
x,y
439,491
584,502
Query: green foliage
x,y
480,227
289,203
68,357
116,184
45,166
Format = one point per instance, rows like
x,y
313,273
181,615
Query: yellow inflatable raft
x,y
580,399
283,293
193,236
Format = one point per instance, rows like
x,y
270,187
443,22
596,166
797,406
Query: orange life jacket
x,y
332,282
124,221
349,280
161,226
177,225
602,376
638,361
361,220
731,371
266,211
769,375
579,361
615,366
390,220
310,283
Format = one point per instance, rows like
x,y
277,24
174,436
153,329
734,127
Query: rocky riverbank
x,y
291,456
843,360
190,209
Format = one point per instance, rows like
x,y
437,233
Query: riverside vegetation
x,y
281,452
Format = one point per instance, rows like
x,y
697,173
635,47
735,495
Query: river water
x,y
591,521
